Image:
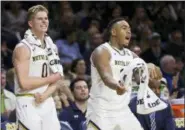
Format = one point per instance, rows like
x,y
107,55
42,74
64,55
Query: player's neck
x,y
115,44
39,35
81,105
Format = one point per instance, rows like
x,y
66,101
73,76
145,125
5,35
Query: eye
x,y
124,28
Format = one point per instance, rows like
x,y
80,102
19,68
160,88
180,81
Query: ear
x,y
30,23
113,32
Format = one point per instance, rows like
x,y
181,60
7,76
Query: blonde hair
x,y
32,11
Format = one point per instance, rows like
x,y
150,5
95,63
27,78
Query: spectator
x,y
7,98
144,34
95,40
136,49
15,19
10,80
154,52
68,21
178,78
75,113
159,120
78,67
181,81
164,23
168,67
84,12
140,19
133,40
175,46
6,55
68,48
116,12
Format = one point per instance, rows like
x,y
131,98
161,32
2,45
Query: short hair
x,y
72,85
111,24
165,60
35,9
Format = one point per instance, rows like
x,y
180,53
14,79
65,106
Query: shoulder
x,y
21,49
100,50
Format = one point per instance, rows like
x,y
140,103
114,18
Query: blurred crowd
x,y
77,28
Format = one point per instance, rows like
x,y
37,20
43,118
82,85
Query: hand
x,y
55,77
64,100
120,89
64,88
39,98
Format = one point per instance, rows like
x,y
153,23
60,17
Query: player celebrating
x,y
34,83
108,103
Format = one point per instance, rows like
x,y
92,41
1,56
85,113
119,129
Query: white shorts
x,y
32,117
126,121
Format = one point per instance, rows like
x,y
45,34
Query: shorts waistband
x,y
25,94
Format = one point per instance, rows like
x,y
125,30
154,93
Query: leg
x,y
130,122
27,117
50,119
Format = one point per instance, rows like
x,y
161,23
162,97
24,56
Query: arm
x,y
40,97
21,56
101,58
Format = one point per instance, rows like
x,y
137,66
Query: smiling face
x,y
122,32
39,22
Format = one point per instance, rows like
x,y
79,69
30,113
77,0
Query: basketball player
x,y
108,103
34,84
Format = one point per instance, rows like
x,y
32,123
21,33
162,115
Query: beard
x,y
81,99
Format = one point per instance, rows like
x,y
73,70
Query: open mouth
x,y
127,38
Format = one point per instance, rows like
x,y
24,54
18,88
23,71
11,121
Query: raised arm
x,y
101,58
21,59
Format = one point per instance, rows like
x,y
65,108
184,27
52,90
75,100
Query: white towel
x,y
54,61
147,101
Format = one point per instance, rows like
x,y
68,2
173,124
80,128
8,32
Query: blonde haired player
x,y
34,84
107,107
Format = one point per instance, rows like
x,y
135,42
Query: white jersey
x,y
103,99
38,66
